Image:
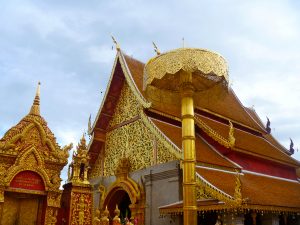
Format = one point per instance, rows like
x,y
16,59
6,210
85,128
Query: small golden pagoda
x,y
30,166
77,196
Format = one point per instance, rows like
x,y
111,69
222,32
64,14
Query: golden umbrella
x,y
188,74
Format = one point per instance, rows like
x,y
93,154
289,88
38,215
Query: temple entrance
x,y
22,209
208,218
120,198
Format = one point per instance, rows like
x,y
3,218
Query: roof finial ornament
x,y
35,108
116,43
183,44
89,125
156,48
292,150
268,127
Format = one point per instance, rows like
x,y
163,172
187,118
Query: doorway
x,y
120,198
22,209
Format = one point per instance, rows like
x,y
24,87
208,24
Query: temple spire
x,y
35,108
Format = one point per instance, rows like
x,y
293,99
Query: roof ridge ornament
x,y
35,108
90,125
156,48
268,126
292,150
116,43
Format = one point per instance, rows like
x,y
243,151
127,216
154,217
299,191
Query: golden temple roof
x,y
251,138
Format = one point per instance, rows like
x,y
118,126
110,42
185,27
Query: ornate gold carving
x,y
116,219
129,140
1,196
2,171
102,195
167,143
51,216
127,107
202,193
97,169
135,141
29,160
53,199
140,98
80,164
207,190
123,168
104,219
96,220
186,59
55,181
231,138
210,191
81,209
214,135
133,189
32,130
31,146
164,154
238,190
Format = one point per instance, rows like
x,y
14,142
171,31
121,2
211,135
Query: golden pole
x,y
188,144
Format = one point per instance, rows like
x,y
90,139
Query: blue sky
x,y
67,46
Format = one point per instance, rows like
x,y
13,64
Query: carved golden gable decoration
x,y
32,161
32,130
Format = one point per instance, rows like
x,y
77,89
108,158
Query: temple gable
x,y
129,136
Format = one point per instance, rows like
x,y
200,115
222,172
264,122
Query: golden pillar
x,y
188,145
188,74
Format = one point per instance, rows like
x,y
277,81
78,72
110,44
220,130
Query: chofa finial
x,y
268,126
90,125
156,48
35,108
116,43
292,150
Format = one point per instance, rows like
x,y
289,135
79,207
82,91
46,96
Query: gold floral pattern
x,y
187,59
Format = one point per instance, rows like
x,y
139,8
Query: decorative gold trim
x,y
226,118
225,208
228,143
211,190
26,191
22,165
165,140
131,83
206,62
165,114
